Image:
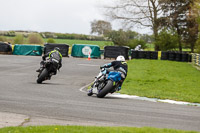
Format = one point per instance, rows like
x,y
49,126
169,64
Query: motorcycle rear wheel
x,y
107,88
42,76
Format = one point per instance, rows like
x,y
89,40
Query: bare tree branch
x,y
137,12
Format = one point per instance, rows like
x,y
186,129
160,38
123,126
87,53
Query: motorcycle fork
x,y
115,85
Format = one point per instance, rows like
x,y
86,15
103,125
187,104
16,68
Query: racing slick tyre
x,y
42,76
108,87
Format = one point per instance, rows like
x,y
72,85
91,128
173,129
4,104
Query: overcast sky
x,y
64,16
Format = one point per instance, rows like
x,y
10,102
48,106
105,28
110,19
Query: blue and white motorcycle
x,y
106,82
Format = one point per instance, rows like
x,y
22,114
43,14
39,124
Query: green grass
x,y
149,47
163,79
87,129
101,44
70,42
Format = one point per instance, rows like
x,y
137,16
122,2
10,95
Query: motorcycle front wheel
x,y
107,88
42,76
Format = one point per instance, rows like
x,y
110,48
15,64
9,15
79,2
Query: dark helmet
x,y
57,49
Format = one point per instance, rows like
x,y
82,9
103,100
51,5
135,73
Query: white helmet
x,y
120,58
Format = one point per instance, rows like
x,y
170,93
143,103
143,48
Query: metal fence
x,y
196,59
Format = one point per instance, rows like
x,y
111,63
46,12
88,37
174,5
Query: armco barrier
x,y
64,48
196,59
114,51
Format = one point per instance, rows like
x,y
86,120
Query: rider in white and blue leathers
x,y
121,66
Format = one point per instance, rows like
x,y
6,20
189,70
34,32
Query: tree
x,y
197,7
126,38
135,42
100,27
191,33
133,13
167,40
35,39
119,37
19,39
51,40
177,15
3,39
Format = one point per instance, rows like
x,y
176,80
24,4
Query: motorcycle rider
x,y
55,56
119,65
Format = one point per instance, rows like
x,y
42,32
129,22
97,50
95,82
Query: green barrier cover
x,y
35,50
83,50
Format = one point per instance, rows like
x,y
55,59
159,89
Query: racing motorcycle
x,y
49,68
106,82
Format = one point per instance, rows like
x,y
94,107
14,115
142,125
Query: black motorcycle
x,y
106,82
50,68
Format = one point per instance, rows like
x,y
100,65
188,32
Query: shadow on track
x,y
107,97
47,83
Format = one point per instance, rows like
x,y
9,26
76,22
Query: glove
x,y
101,67
43,58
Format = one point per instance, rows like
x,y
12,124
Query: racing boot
x,y
118,89
41,67
39,70
90,93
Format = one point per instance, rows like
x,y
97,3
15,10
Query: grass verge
x,y
163,79
101,44
87,129
70,42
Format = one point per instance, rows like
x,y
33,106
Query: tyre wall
x,y
5,48
176,56
114,51
144,54
64,48
165,55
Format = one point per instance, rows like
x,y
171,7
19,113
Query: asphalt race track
x,y
61,98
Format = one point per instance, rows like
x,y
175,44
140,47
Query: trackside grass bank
x,y
70,42
163,79
87,129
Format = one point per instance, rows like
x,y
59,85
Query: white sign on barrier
x,y
86,50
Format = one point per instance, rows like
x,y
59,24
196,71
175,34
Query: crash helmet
x,y
57,49
120,58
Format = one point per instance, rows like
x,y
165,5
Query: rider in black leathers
x,y
55,56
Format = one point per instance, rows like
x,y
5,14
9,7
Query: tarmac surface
x,y
59,101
